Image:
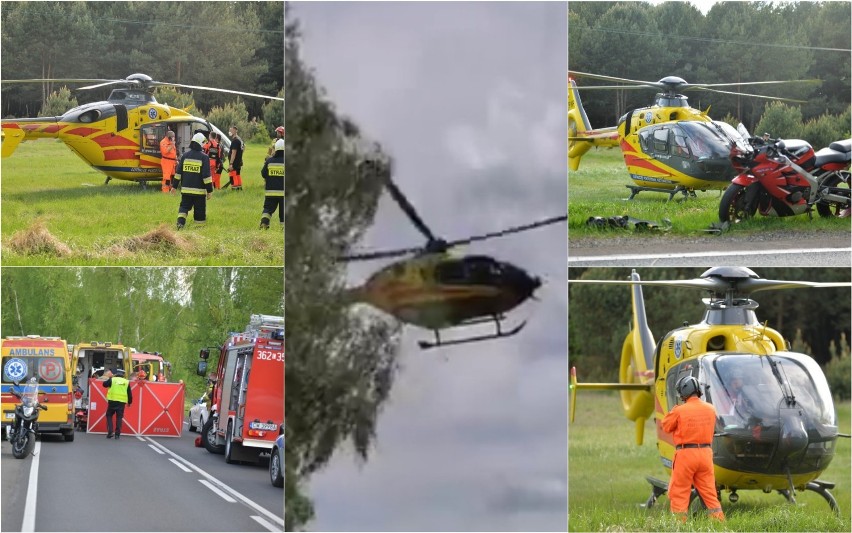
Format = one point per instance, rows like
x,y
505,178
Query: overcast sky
x,y
469,99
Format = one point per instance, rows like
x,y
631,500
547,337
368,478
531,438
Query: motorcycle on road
x,y
22,433
785,178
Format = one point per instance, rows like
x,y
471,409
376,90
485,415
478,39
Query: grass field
x,y
606,481
56,210
598,189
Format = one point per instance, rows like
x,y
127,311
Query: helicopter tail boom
x,y
28,129
581,136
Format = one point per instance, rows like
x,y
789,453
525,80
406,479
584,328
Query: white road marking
x,y
628,257
32,492
140,438
271,516
267,525
185,469
217,491
156,449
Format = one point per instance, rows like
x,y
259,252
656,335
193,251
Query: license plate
x,y
267,427
9,416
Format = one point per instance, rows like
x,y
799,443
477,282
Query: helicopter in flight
x,y
121,136
436,290
780,436
668,147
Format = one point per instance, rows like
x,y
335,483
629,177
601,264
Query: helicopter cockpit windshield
x,y
747,391
688,139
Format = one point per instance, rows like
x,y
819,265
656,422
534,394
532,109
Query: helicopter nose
x,y
519,280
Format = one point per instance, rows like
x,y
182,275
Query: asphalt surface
x,y
137,484
762,249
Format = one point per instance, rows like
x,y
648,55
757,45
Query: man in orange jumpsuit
x,y
692,424
214,152
168,159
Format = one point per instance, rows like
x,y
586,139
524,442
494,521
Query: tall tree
x,y
341,363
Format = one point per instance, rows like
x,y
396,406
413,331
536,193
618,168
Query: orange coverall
x,y
168,162
693,423
211,148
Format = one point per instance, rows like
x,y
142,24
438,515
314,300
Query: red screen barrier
x,y
157,409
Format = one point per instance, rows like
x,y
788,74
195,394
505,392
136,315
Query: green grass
x,y
598,189
606,481
46,185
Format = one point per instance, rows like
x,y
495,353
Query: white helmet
x,y
199,138
279,144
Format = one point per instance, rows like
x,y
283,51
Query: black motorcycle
x,y
22,433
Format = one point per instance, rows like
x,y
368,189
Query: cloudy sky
x,y
469,100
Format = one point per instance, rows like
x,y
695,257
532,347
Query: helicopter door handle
x,y
723,434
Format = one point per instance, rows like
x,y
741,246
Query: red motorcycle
x,y
785,177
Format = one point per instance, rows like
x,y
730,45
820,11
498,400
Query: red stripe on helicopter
x,y
53,128
82,132
632,160
111,139
30,127
11,126
113,155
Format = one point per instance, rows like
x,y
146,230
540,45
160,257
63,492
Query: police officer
x,y
193,178
235,160
118,395
273,174
279,134
692,424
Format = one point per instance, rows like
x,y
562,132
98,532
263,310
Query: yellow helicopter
x,y
121,136
781,437
437,291
668,147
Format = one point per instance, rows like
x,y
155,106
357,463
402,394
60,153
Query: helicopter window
x,y
680,146
661,141
645,141
90,116
450,272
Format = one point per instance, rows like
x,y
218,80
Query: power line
x,y
717,41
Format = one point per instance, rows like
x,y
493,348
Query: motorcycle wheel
x,y
208,438
732,208
23,446
837,180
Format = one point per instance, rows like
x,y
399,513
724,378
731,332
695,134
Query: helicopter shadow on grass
x,y
83,191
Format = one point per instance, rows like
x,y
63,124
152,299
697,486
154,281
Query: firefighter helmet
x,y
688,386
199,138
279,144
280,129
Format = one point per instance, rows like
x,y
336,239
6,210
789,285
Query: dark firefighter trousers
x,y
197,203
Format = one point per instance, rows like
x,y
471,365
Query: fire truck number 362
x,y
268,355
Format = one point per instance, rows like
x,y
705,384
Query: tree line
x,y
228,45
174,311
733,42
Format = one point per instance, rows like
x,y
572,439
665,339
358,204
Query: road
x,y
764,249
135,484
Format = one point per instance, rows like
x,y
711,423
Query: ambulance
x,y
248,392
47,359
92,360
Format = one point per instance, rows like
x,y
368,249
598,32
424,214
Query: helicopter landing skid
x,y
425,345
687,193
660,487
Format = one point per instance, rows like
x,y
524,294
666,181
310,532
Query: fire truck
x,y
153,365
47,359
92,359
247,398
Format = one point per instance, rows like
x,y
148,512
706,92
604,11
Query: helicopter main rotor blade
x,y
107,83
381,254
611,78
508,231
709,284
743,286
749,95
611,87
748,286
703,85
215,89
408,209
60,80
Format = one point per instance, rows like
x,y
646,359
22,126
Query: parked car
x,y
198,414
276,462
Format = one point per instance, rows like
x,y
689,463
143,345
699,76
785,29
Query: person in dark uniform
x,y
118,395
273,175
193,179
235,160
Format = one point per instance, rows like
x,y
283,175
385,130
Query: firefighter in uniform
x,y
273,175
214,151
692,424
193,178
279,134
118,395
235,160
168,159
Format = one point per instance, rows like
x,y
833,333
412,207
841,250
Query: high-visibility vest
x,y
118,390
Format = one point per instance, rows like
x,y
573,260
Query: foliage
x,y
780,121
58,103
273,114
346,360
175,98
839,368
825,129
234,114
174,311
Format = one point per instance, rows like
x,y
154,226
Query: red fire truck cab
x,y
247,400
